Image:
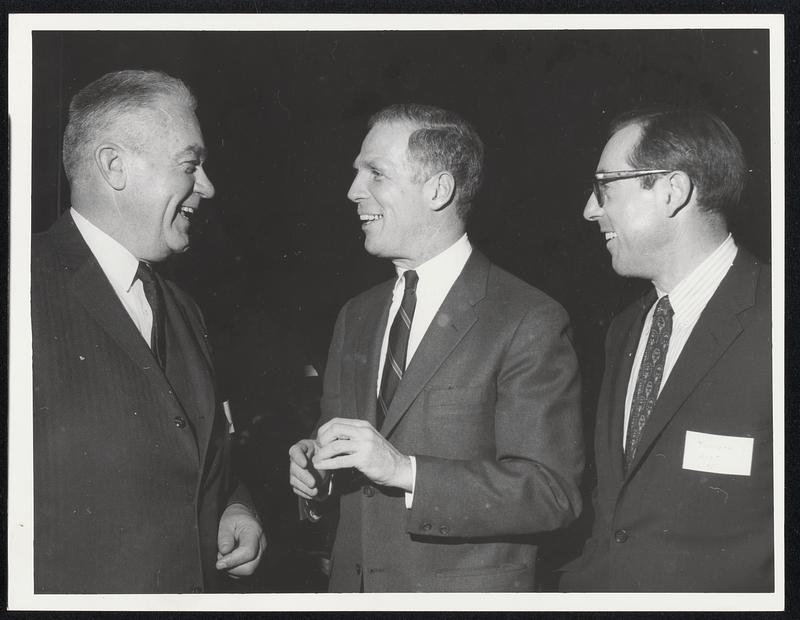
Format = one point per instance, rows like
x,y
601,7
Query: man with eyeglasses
x,y
683,438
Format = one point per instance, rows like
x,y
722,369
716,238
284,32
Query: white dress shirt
x,y
436,278
120,267
688,300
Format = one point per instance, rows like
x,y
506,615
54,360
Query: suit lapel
x,y
93,290
189,370
717,327
451,323
95,293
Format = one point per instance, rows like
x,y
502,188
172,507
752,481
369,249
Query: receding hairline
x,y
165,110
409,124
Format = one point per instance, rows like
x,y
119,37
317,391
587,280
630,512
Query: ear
x,y
110,162
440,189
679,192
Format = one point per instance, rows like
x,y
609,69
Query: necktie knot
x,y
155,299
663,307
411,278
145,273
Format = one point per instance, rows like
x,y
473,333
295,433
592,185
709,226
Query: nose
x,y
357,190
202,184
592,211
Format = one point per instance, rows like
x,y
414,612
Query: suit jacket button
x,y
368,490
179,421
444,530
426,527
620,536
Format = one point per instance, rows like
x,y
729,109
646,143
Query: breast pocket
x,y
459,423
456,401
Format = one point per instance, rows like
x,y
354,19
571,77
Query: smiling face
x,y
632,218
395,216
165,180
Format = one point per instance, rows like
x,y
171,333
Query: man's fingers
x,y
302,475
247,551
225,537
338,462
297,456
341,427
299,453
244,570
335,448
304,485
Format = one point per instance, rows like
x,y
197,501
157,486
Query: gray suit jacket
x,y
490,407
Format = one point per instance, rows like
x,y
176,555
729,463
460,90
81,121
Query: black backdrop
x,y
279,248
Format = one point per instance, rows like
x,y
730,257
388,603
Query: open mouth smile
x,y
368,218
188,213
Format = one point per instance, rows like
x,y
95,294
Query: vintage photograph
x,y
394,308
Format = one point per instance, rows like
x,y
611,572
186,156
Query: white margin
x,y
20,481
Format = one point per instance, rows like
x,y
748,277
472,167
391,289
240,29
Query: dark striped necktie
x,y
650,373
155,297
395,363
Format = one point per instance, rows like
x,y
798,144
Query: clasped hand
x,y
240,541
342,443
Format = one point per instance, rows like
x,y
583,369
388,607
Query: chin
x,y
372,248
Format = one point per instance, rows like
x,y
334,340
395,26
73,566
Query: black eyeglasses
x,y
601,178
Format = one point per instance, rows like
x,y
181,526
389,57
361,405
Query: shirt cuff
x,y
410,495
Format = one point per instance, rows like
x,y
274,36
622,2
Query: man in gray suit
x,y
132,483
450,409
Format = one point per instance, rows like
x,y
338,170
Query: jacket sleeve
x,y
331,407
532,484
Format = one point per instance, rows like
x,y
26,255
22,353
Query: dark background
x,y
279,249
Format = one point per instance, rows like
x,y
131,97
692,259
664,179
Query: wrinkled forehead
x,y
388,140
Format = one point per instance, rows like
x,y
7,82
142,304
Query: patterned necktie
x,y
649,379
395,364
155,297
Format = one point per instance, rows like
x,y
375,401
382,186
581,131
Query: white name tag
x,y
718,454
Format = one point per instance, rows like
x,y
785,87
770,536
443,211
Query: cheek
x,y
378,193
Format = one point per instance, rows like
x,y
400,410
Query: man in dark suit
x,y
450,408
683,439
132,486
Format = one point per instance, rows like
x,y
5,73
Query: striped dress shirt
x,y
688,299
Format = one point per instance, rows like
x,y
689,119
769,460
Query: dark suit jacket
x,y
489,405
663,527
130,463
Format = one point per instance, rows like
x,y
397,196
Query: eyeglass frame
x,y
602,178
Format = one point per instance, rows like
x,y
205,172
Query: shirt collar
x,y
115,260
445,265
703,281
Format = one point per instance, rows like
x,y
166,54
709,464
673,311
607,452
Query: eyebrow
x,y
195,150
371,163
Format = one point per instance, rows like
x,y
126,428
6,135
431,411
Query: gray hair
x,y
443,141
97,106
